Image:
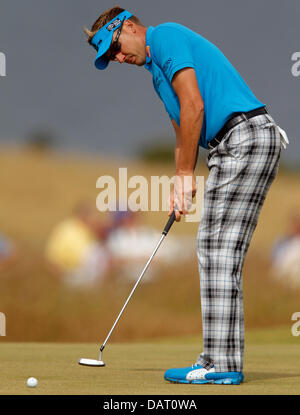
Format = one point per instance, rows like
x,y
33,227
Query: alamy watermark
x,y
2,64
153,195
2,324
296,326
295,69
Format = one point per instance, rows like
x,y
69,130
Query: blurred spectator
x,y
82,249
7,251
286,253
76,248
131,245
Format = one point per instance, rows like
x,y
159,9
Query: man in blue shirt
x,y
211,106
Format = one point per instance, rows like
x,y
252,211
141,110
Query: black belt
x,y
236,119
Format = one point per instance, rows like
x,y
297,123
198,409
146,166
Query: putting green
x,y
271,367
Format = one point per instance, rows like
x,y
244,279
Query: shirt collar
x,y
148,46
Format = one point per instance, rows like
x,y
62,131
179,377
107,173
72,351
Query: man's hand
x,y
181,198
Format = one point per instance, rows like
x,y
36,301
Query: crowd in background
x,y
285,255
84,249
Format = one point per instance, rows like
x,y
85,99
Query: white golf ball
x,y
32,382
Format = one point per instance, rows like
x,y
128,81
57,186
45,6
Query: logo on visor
x,y
113,25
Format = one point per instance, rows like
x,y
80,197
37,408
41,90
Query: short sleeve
x,y
171,50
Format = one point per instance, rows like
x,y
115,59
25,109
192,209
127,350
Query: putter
x,y
99,362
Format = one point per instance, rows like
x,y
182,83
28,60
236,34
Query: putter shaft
x,y
132,291
164,233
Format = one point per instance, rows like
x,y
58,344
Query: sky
x,y
51,82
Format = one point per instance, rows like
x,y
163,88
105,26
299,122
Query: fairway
x,y
271,367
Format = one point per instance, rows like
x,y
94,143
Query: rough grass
x,y
39,308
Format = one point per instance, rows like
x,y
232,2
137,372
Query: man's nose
x,y
120,57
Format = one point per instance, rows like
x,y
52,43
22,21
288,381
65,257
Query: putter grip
x,y
169,223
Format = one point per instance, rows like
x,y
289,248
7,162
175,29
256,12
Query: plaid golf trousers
x,y
241,170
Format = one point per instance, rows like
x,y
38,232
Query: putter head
x,y
91,362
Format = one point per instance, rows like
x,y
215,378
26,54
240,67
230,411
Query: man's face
x,y
132,41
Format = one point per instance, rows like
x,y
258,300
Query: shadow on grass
x,y
146,370
254,376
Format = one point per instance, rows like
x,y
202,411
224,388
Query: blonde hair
x,y
105,18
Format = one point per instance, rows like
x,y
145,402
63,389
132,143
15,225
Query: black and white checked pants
x,y
241,170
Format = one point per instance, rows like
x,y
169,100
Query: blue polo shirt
x,y
171,47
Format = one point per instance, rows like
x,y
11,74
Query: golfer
x,y
211,106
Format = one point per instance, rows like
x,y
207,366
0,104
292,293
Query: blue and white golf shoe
x,y
199,375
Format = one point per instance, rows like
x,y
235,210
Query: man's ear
x,y
130,25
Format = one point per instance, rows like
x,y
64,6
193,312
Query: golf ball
x,y
32,382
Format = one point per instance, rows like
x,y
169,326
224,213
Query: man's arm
x,y
186,87
177,145
178,138
188,134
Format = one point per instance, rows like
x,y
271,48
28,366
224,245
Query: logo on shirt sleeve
x,y
167,64
158,80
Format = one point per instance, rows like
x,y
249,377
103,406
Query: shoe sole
x,y
225,381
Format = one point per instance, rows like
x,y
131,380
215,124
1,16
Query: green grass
x,y
271,367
